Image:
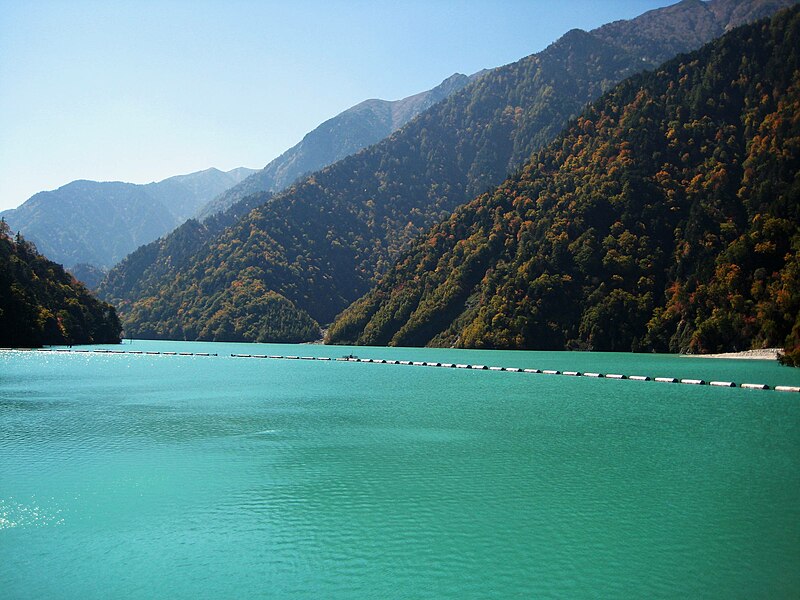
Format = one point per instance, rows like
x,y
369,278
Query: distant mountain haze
x,y
99,223
78,225
350,131
323,242
183,194
88,275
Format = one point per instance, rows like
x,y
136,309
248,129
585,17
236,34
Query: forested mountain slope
x,y
321,243
345,134
665,218
42,304
99,223
356,128
163,258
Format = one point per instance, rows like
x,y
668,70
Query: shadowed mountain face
x,y
88,275
99,223
666,218
356,128
322,243
40,303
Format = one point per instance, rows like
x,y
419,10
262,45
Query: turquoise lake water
x,y
140,476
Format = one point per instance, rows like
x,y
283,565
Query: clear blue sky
x,y
139,91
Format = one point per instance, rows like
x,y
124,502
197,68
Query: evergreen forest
x,y
40,303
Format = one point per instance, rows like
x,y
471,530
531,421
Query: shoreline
x,y
762,354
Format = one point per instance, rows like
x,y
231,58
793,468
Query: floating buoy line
x,y
674,380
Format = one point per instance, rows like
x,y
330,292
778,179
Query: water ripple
x,y
168,477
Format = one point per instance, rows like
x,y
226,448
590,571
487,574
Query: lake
x,y
144,476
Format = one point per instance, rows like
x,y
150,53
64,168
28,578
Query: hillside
x,y
321,243
42,304
87,274
99,223
665,218
356,128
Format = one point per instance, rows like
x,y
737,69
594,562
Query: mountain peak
x,y
99,222
358,127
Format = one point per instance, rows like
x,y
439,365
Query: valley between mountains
x,y
633,187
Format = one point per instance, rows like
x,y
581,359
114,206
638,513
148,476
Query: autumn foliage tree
x,y
665,218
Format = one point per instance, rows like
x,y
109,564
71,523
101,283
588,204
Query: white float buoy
x,y
787,388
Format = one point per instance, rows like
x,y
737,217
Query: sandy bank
x,y
763,354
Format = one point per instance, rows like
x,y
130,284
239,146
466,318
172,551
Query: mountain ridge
x,y
99,223
352,130
665,218
321,243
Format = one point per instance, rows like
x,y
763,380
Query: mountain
x,y
42,304
345,134
665,218
356,128
101,222
321,244
185,195
87,274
